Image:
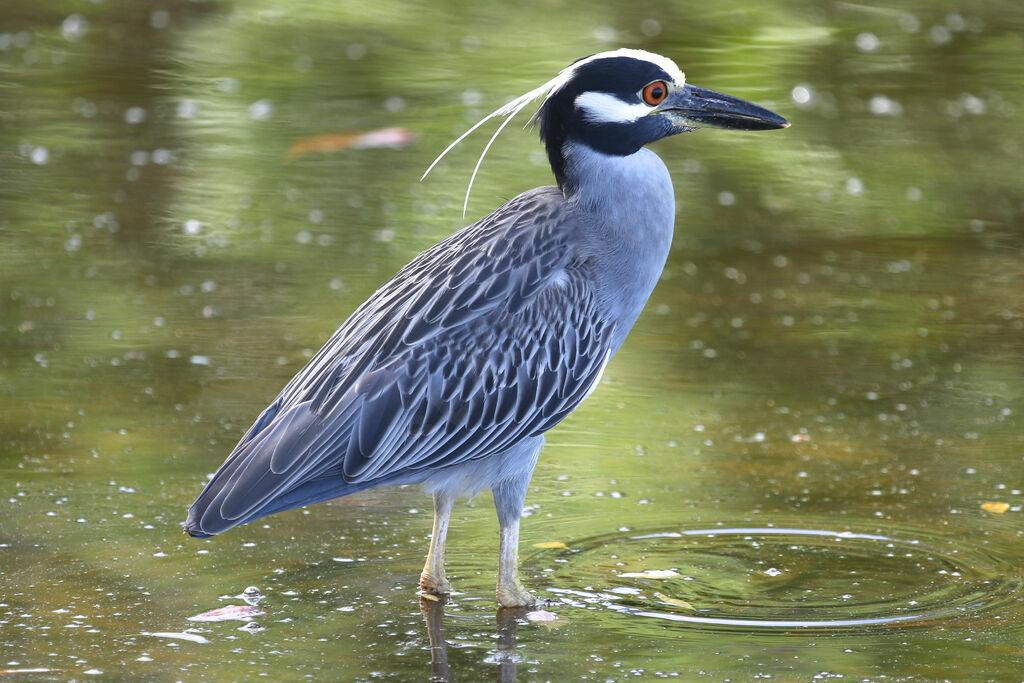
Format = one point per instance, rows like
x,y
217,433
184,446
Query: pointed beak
x,y
691,107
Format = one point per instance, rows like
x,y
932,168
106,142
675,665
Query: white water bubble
x,y
868,42
972,104
604,34
650,27
74,27
261,110
187,109
881,105
134,115
940,35
160,18
228,85
910,23
802,95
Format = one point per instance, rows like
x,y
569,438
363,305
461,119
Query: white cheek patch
x,y
602,107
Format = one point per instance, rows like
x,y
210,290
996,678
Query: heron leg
x,y
433,580
509,497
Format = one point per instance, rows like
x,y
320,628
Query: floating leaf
x,y
229,613
673,601
997,508
651,574
550,544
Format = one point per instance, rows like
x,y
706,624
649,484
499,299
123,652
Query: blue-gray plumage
x,y
450,374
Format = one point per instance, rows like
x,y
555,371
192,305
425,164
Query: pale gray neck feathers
x,y
621,189
628,206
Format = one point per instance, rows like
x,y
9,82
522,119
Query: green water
x,y
798,437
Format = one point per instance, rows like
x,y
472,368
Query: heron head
x,y
618,101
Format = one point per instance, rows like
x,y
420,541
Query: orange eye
x,y
654,93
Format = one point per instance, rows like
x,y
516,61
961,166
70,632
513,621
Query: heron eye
x,y
654,93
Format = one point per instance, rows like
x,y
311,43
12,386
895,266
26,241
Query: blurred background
x,y
195,194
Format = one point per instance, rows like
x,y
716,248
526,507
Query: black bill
x,y
701,107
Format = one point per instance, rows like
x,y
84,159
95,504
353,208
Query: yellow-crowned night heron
x,y
450,374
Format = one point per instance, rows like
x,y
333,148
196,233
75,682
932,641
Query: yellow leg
x,y
433,580
510,591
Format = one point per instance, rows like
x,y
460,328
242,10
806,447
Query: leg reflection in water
x,y
504,655
433,614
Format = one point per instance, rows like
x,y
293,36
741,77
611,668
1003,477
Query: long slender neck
x,y
628,204
621,189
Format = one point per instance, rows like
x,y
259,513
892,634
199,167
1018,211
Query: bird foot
x,y
515,595
433,585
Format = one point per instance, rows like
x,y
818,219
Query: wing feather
x,y
489,337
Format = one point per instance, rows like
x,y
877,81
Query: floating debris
x,y
191,637
550,544
326,143
229,613
651,574
252,627
995,507
252,595
546,618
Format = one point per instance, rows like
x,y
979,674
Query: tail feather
x,y
270,470
205,518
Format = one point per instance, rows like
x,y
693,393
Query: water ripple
x,y
785,578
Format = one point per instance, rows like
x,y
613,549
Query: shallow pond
x,y
806,463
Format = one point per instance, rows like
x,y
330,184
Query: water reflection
x,y
504,655
433,616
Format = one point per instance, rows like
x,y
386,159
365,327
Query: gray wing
x,y
489,337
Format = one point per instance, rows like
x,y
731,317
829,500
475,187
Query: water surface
x,y
806,462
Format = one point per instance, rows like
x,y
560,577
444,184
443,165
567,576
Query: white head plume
x,y
509,111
